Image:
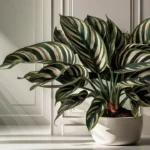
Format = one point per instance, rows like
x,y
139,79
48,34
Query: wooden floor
x,y
67,143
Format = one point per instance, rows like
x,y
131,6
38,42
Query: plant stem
x,y
116,98
58,86
116,78
96,83
101,82
87,89
111,87
103,87
107,85
114,91
93,86
51,86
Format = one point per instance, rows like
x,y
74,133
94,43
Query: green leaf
x,y
133,67
139,94
127,38
57,71
67,89
141,34
129,51
140,78
87,42
144,95
28,75
133,82
131,94
60,37
111,36
46,74
133,58
41,52
116,39
74,72
95,111
98,24
134,108
123,101
71,102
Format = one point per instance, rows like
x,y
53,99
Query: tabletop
x,y
68,143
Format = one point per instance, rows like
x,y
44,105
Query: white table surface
x,y
61,143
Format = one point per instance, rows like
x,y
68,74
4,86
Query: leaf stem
x,y
96,83
87,89
50,86
111,87
103,87
123,101
93,86
58,86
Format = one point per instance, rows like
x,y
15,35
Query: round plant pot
x,y
118,131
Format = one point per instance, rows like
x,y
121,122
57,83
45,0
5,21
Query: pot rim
x,y
139,116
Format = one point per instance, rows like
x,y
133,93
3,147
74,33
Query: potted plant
x,y
112,64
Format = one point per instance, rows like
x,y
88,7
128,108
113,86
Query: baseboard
x,y
25,130
43,139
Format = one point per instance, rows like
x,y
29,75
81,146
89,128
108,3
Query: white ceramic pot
x,y
118,131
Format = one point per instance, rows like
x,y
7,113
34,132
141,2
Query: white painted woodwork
x,y
25,22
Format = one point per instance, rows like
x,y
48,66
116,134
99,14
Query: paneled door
x,y
22,23
25,22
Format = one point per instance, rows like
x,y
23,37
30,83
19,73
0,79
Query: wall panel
x,y
23,22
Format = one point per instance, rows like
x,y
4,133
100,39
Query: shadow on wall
x,y
18,28
18,25
10,115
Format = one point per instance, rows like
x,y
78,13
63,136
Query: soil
x,y
122,112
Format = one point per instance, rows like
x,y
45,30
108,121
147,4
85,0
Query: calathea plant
x,y
112,64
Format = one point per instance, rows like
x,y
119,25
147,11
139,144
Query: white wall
x,y
24,22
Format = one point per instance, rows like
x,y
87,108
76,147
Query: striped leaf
x,y
28,75
133,58
140,95
41,52
95,111
121,104
98,24
141,34
71,102
128,51
77,71
89,45
134,108
144,95
116,39
72,74
47,74
68,88
57,71
134,82
133,67
127,38
100,27
60,37
140,78
111,36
